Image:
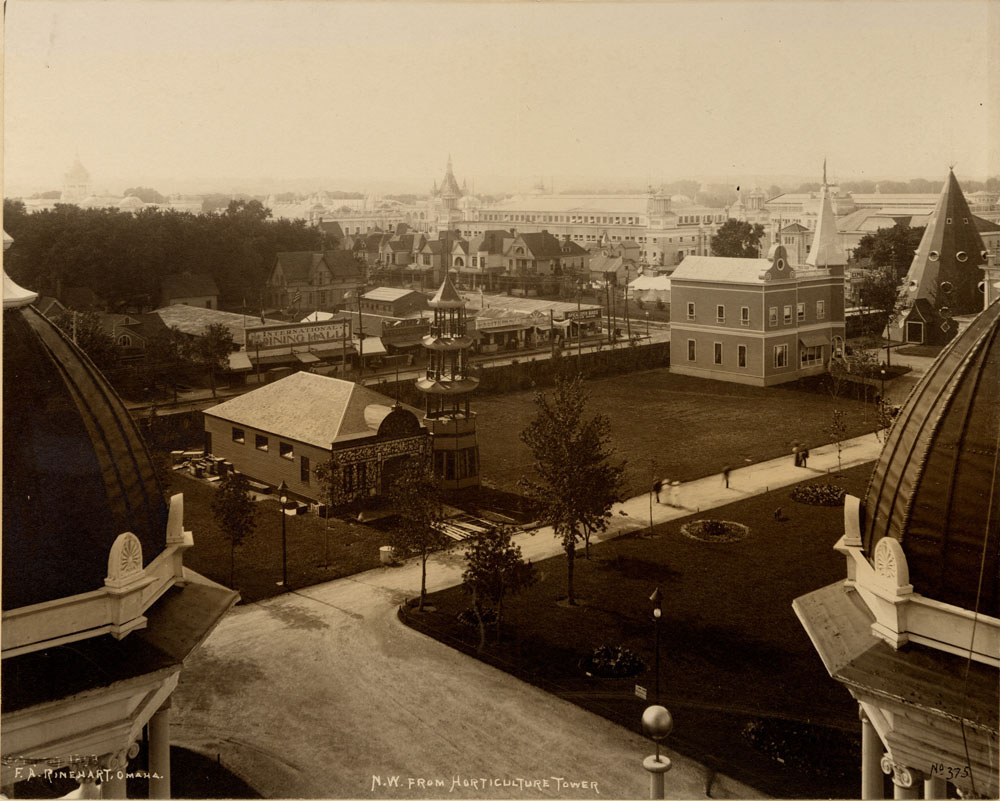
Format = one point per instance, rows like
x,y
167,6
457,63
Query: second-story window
x,y
260,442
820,309
772,316
690,311
745,316
800,312
788,315
720,314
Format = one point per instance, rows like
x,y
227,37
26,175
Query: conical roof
x,y
826,250
447,296
945,271
935,485
449,186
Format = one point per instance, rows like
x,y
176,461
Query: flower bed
x,y
715,530
819,495
819,750
612,662
468,617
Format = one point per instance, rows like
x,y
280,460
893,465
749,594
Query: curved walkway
x,y
322,693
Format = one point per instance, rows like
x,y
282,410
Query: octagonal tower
x,y
446,387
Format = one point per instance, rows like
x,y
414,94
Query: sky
x,y
241,95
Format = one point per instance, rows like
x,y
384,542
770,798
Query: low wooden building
x,y
285,430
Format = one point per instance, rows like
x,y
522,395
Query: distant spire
x,y
824,171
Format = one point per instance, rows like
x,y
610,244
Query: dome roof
x,y
130,202
934,487
76,472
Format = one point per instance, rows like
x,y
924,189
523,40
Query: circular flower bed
x,y
467,617
612,662
715,530
818,750
819,494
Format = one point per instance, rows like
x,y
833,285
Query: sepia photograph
x,y
501,400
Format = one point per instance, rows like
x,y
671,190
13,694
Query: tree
x,y
838,431
416,498
145,194
879,293
87,330
165,358
494,569
737,239
890,248
235,514
211,350
327,474
577,483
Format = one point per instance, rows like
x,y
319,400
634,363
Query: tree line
x,y
124,257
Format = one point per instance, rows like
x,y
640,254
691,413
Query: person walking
x,y
725,475
657,486
796,457
804,456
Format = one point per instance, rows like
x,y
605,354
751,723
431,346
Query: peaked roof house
x,y
284,430
944,277
309,280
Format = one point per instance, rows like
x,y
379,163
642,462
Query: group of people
x,y
800,455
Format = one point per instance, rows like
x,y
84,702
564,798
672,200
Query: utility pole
x,y
361,338
552,335
628,322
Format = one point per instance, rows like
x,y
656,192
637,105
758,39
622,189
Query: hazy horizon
x,y
255,97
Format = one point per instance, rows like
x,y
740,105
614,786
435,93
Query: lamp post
x,y
657,599
647,325
881,371
283,497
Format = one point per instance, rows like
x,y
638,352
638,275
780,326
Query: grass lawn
x,y
672,426
353,547
733,654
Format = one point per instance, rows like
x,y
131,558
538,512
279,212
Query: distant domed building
x,y
913,632
131,204
99,611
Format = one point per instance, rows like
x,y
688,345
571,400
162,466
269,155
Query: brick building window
x,y
745,316
690,311
788,315
800,312
772,315
820,309
720,314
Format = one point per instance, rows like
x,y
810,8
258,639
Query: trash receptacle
x,y
385,555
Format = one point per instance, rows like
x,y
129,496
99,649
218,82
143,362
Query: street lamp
x,y
881,372
283,497
657,599
647,325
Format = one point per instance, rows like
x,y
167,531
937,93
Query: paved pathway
x,y
323,693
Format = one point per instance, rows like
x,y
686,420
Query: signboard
x,y
583,314
518,320
640,692
297,334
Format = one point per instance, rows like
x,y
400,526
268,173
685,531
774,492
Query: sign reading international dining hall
x,y
274,337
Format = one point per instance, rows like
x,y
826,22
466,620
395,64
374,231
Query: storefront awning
x,y
814,340
306,357
372,346
239,361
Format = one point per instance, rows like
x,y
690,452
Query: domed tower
x,y
76,183
914,631
446,387
99,612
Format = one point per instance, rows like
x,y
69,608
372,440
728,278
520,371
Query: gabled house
x,y
310,280
194,289
535,263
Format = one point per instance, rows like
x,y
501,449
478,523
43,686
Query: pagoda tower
x,y
446,387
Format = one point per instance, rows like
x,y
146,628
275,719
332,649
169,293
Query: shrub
x,y
819,750
612,662
819,495
467,617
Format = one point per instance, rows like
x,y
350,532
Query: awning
x,y
305,357
239,361
814,340
372,346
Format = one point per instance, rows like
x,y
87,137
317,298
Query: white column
x,y
904,779
159,752
871,757
657,766
935,787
